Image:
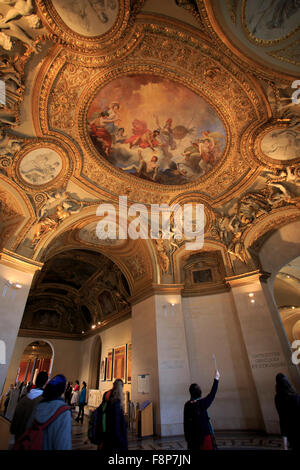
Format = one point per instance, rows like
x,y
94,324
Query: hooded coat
x,y
58,435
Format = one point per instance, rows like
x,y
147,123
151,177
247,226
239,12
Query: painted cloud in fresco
x,y
156,129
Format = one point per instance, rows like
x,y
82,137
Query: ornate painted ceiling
x,y
163,102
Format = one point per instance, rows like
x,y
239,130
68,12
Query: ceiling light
x,y
251,294
252,301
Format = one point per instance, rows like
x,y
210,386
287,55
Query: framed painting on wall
x,y
103,369
128,367
119,371
109,366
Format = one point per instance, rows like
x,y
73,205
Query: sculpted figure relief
x,y
231,226
9,29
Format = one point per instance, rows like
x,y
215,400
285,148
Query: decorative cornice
x,y
155,289
247,278
13,260
207,289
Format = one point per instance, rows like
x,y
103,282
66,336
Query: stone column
x,y
159,349
266,355
16,274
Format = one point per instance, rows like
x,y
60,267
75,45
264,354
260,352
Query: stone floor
x,y
226,440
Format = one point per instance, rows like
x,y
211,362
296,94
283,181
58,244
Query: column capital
x,y
16,261
247,278
156,289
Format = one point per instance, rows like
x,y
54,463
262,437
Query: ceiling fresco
x,y
271,20
88,17
108,98
75,290
133,126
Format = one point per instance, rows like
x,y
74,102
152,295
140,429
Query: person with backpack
x,y
52,425
82,403
23,415
287,403
198,431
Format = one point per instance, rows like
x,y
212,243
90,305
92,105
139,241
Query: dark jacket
x,y
23,416
116,428
288,408
196,420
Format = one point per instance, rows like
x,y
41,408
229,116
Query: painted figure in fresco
x,y
166,137
147,170
142,136
98,131
104,126
111,117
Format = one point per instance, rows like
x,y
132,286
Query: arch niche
x,y
37,357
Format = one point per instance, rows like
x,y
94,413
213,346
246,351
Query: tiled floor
x,y
226,440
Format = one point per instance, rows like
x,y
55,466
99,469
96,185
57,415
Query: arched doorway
x,y
37,357
287,297
94,372
277,254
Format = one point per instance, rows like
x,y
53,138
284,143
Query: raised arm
x,y
207,401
